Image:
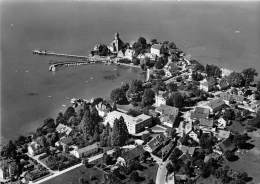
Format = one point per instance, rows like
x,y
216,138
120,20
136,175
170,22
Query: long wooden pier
x,y
83,60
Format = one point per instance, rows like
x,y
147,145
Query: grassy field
x,y
73,176
249,161
148,173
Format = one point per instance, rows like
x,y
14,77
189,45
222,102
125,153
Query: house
x,y
215,105
85,151
134,124
155,143
133,154
156,49
159,99
129,53
225,72
187,149
64,142
205,86
103,109
34,148
200,113
63,129
222,123
120,54
170,179
222,134
181,177
168,114
206,125
193,135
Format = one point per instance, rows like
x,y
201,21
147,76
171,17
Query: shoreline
x,y
125,73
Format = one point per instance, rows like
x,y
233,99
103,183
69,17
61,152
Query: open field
x,y
73,176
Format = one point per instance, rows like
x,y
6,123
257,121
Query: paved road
x,y
161,173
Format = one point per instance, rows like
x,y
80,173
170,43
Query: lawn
x,y
73,176
249,161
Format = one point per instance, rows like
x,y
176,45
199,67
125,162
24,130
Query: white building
x,y
159,99
222,123
34,148
225,72
85,151
156,49
61,128
129,53
134,124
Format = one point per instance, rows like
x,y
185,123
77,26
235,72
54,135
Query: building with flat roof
x,y
134,124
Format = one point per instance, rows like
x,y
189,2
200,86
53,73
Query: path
x,y
161,173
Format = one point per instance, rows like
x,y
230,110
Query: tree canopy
x,y
148,97
118,96
213,71
236,79
120,132
249,75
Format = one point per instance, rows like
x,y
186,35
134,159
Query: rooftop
x,y
200,112
87,148
156,46
130,119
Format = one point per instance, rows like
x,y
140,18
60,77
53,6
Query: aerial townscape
x,y
183,124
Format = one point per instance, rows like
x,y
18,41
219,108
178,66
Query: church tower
x,y
116,42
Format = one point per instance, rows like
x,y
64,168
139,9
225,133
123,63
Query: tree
x,y
120,132
172,87
9,150
148,97
176,100
172,45
60,119
249,75
229,114
103,50
196,66
160,63
169,168
134,176
42,141
153,41
140,46
48,123
213,71
258,86
236,79
151,181
125,87
135,91
118,96
70,111
136,61
223,83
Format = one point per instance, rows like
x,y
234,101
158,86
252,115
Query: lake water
x,y
226,34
